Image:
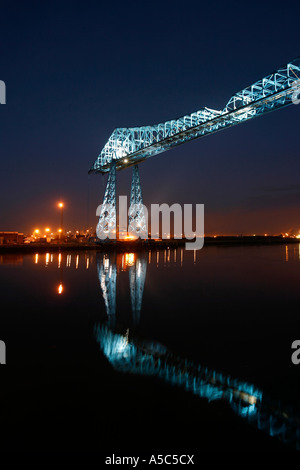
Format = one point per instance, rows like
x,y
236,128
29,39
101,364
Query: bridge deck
x,y
129,146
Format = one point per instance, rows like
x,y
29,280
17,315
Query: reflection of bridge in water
x,y
107,266
130,355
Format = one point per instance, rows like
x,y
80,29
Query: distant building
x,y
13,238
80,238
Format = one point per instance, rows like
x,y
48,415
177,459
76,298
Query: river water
x,y
162,351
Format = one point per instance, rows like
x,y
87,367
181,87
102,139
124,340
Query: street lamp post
x,y
61,206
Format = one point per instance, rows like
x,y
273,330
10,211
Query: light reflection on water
x,y
159,257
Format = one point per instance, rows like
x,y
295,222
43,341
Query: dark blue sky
x,y
76,70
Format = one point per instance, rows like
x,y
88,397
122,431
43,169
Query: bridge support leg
x,y
138,220
107,225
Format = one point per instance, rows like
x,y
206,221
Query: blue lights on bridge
x,y
129,146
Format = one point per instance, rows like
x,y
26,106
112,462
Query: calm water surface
x,y
163,351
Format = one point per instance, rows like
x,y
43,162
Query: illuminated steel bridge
x,y
131,146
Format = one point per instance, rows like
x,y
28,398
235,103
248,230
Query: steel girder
x,y
137,218
128,146
107,224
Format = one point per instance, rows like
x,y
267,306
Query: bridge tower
x,y
137,217
137,223
107,224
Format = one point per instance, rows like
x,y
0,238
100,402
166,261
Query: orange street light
x,y
61,206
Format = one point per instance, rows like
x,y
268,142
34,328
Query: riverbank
x,y
136,245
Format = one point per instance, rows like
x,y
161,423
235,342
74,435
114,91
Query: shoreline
x,y
123,246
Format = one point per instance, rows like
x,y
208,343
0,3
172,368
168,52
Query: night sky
x,y
74,71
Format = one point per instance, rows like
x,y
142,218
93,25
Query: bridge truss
x,y
130,146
